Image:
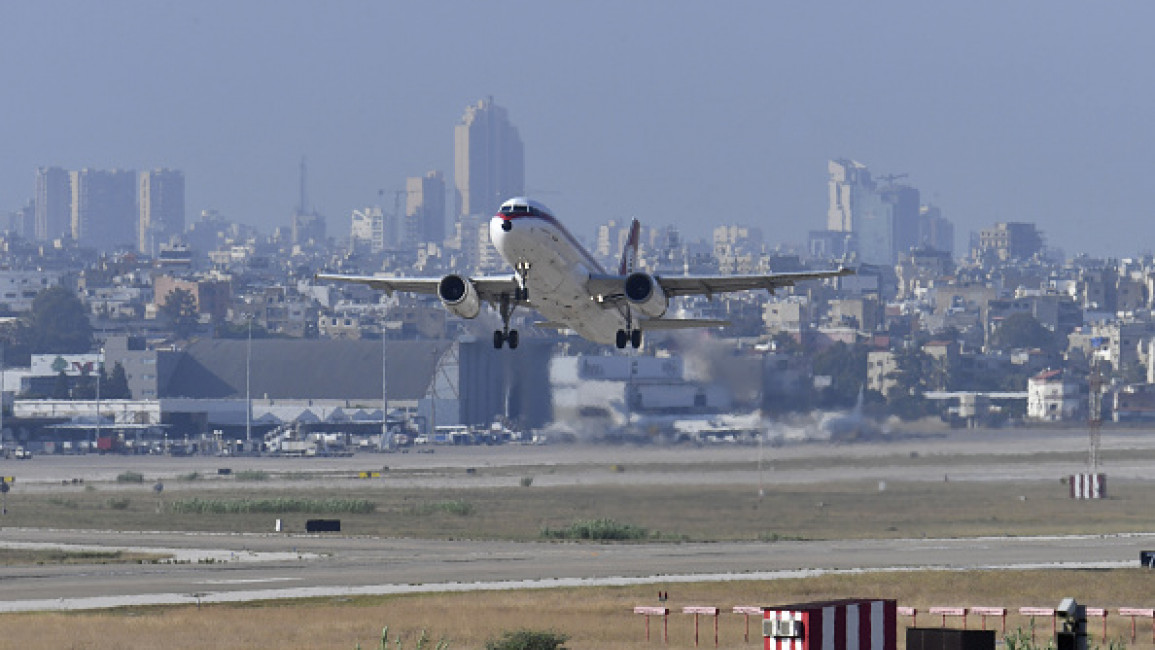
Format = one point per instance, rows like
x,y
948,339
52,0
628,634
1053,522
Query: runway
x,y
247,567
255,567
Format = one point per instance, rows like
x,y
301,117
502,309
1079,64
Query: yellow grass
x,y
593,617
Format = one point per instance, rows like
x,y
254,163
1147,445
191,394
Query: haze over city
x,y
680,113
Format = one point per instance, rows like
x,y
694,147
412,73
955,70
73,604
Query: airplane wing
x,y
708,285
611,287
489,288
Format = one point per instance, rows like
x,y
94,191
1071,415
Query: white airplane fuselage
x,y
556,269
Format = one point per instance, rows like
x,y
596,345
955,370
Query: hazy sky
x,y
691,113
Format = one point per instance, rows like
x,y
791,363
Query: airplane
x,y
557,276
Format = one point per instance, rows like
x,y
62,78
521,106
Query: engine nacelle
x,y
459,296
646,295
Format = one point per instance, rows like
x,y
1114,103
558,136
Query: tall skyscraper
x,y
425,209
53,204
877,223
104,212
161,208
488,160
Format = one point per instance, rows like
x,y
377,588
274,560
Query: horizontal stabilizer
x,y
680,323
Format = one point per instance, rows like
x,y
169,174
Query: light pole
x,y
99,365
248,387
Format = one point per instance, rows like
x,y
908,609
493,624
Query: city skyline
x,y
659,111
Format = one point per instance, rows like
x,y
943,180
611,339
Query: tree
x,y
1023,331
846,367
59,323
60,388
180,306
116,386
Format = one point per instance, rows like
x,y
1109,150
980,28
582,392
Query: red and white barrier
x,y
1088,486
911,612
854,624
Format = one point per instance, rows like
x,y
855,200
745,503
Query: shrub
x,y
528,640
130,477
119,503
597,529
453,507
526,481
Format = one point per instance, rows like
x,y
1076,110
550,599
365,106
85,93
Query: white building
x,y
1053,397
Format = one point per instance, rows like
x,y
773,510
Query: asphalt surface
x,y
226,567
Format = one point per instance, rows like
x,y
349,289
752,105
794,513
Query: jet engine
x,y
644,293
459,296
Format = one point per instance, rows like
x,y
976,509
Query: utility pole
x,y
248,377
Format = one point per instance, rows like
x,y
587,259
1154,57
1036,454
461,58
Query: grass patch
x,y
251,475
598,530
592,617
130,477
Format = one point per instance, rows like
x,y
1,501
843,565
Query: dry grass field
x,y
845,510
592,617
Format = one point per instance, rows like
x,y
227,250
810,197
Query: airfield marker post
x,y
1032,612
656,611
747,611
1001,612
1136,611
950,611
708,611
1098,612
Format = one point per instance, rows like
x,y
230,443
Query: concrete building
x,y
53,204
104,209
19,288
1010,240
162,206
1052,396
488,160
425,209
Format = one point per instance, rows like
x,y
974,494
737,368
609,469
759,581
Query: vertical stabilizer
x,y
630,252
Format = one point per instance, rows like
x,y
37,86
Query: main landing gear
x,y
632,338
506,335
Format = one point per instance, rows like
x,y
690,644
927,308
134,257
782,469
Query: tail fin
x,y
630,252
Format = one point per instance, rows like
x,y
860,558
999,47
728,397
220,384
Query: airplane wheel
x,y
622,340
498,339
513,339
636,339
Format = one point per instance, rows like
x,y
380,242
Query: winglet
x,y
630,253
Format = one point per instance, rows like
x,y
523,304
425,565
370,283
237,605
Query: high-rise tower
x,y
425,208
488,159
104,212
53,203
161,208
